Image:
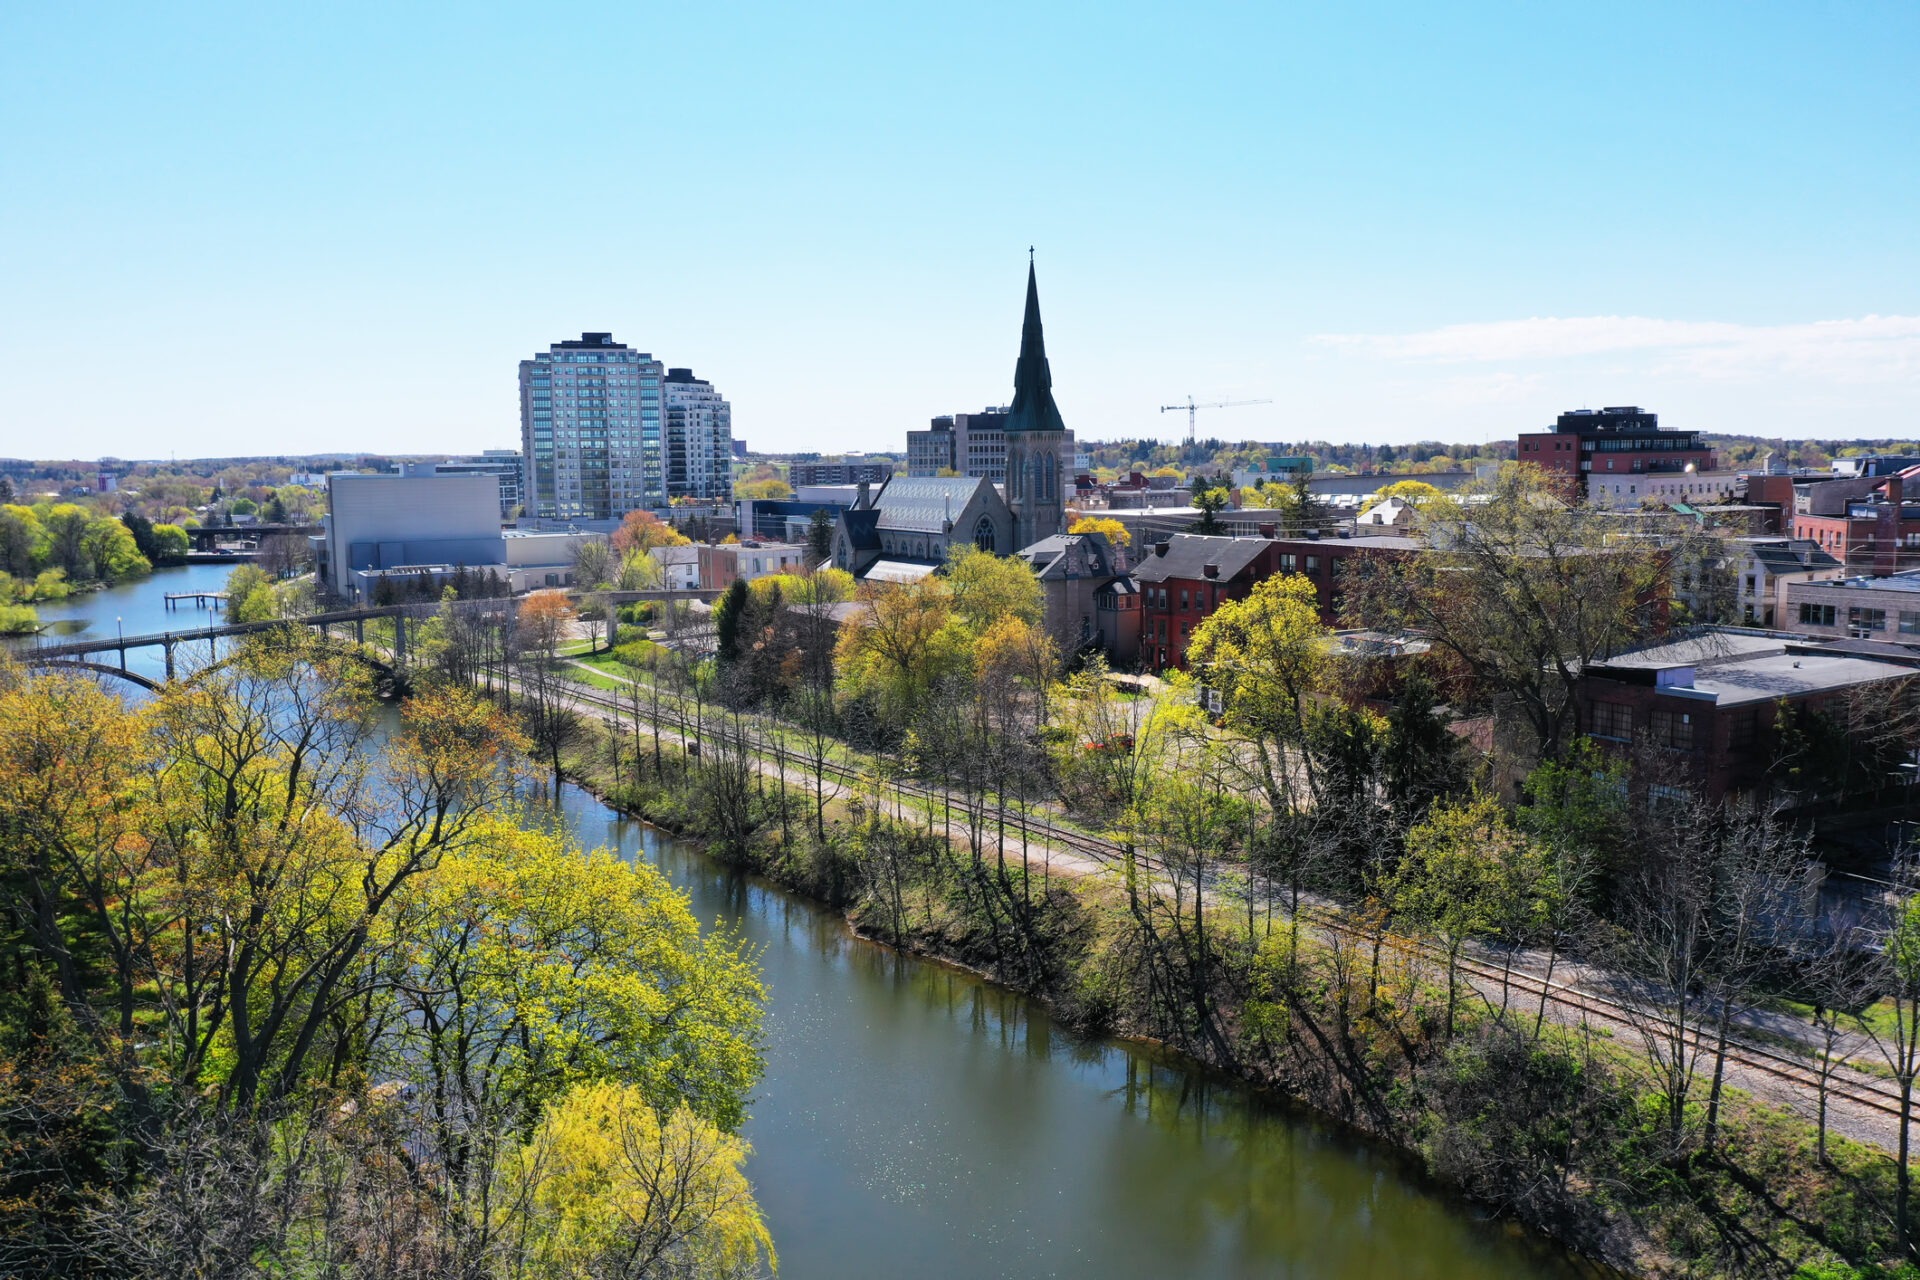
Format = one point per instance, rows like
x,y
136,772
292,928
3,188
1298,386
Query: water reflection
x,y
917,1121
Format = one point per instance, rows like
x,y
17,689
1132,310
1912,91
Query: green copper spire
x,y
1033,407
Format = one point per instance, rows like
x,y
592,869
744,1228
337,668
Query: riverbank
x,y
1548,1128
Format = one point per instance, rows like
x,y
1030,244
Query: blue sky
x,y
270,228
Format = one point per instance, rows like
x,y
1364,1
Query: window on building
x,y
1816,615
1673,729
1183,598
1909,623
1742,727
1288,563
1612,720
1313,564
1862,623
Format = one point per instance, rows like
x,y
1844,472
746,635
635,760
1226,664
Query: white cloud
x,y
1868,349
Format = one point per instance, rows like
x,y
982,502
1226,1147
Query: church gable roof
x,y
925,504
860,529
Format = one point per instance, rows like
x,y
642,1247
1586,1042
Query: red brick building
x,y
1184,579
1866,524
1620,440
1709,703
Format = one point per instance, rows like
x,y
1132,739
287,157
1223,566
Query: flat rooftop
x,y
1783,675
1712,647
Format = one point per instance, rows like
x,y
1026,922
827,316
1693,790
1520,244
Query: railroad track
x,y
1843,1083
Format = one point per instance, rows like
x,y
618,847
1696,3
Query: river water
x,y
917,1122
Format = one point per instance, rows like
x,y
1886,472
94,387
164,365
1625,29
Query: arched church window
x,y
1047,478
983,534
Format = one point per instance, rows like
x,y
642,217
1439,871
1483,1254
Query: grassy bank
x,y
1554,1127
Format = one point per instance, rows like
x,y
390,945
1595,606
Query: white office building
x,y
591,430
699,438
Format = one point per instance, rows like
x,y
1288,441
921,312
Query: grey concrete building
x,y
591,433
699,438
417,523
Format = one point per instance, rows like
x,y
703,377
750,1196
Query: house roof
x,y
899,569
1797,555
1052,560
1187,555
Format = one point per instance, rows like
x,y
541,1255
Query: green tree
x,y
819,536
1464,875
1516,594
170,542
142,530
23,541
1211,501
250,595
1264,655
1898,1038
985,588
109,551
611,1186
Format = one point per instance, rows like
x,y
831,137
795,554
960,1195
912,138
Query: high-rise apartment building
x,y
505,465
699,438
591,415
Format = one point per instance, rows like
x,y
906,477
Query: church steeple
x,y
1033,407
1039,446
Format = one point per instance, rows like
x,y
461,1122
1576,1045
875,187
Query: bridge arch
x,y
98,668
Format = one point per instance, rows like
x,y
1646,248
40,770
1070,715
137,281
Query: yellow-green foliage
x,y
604,1178
572,966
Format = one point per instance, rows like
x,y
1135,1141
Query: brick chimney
x,y
1886,531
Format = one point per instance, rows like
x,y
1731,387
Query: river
x,y
916,1121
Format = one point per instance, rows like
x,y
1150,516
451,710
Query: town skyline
x,y
1394,228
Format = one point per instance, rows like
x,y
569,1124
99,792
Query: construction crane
x,y
1193,408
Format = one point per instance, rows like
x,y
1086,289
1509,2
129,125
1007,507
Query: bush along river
x,y
916,1120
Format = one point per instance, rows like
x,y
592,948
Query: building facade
x,y
1867,524
591,430
1074,570
405,525
729,562
1622,440
1622,492
1856,608
818,473
935,450
699,438
504,465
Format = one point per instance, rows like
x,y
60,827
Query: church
x,y
904,529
